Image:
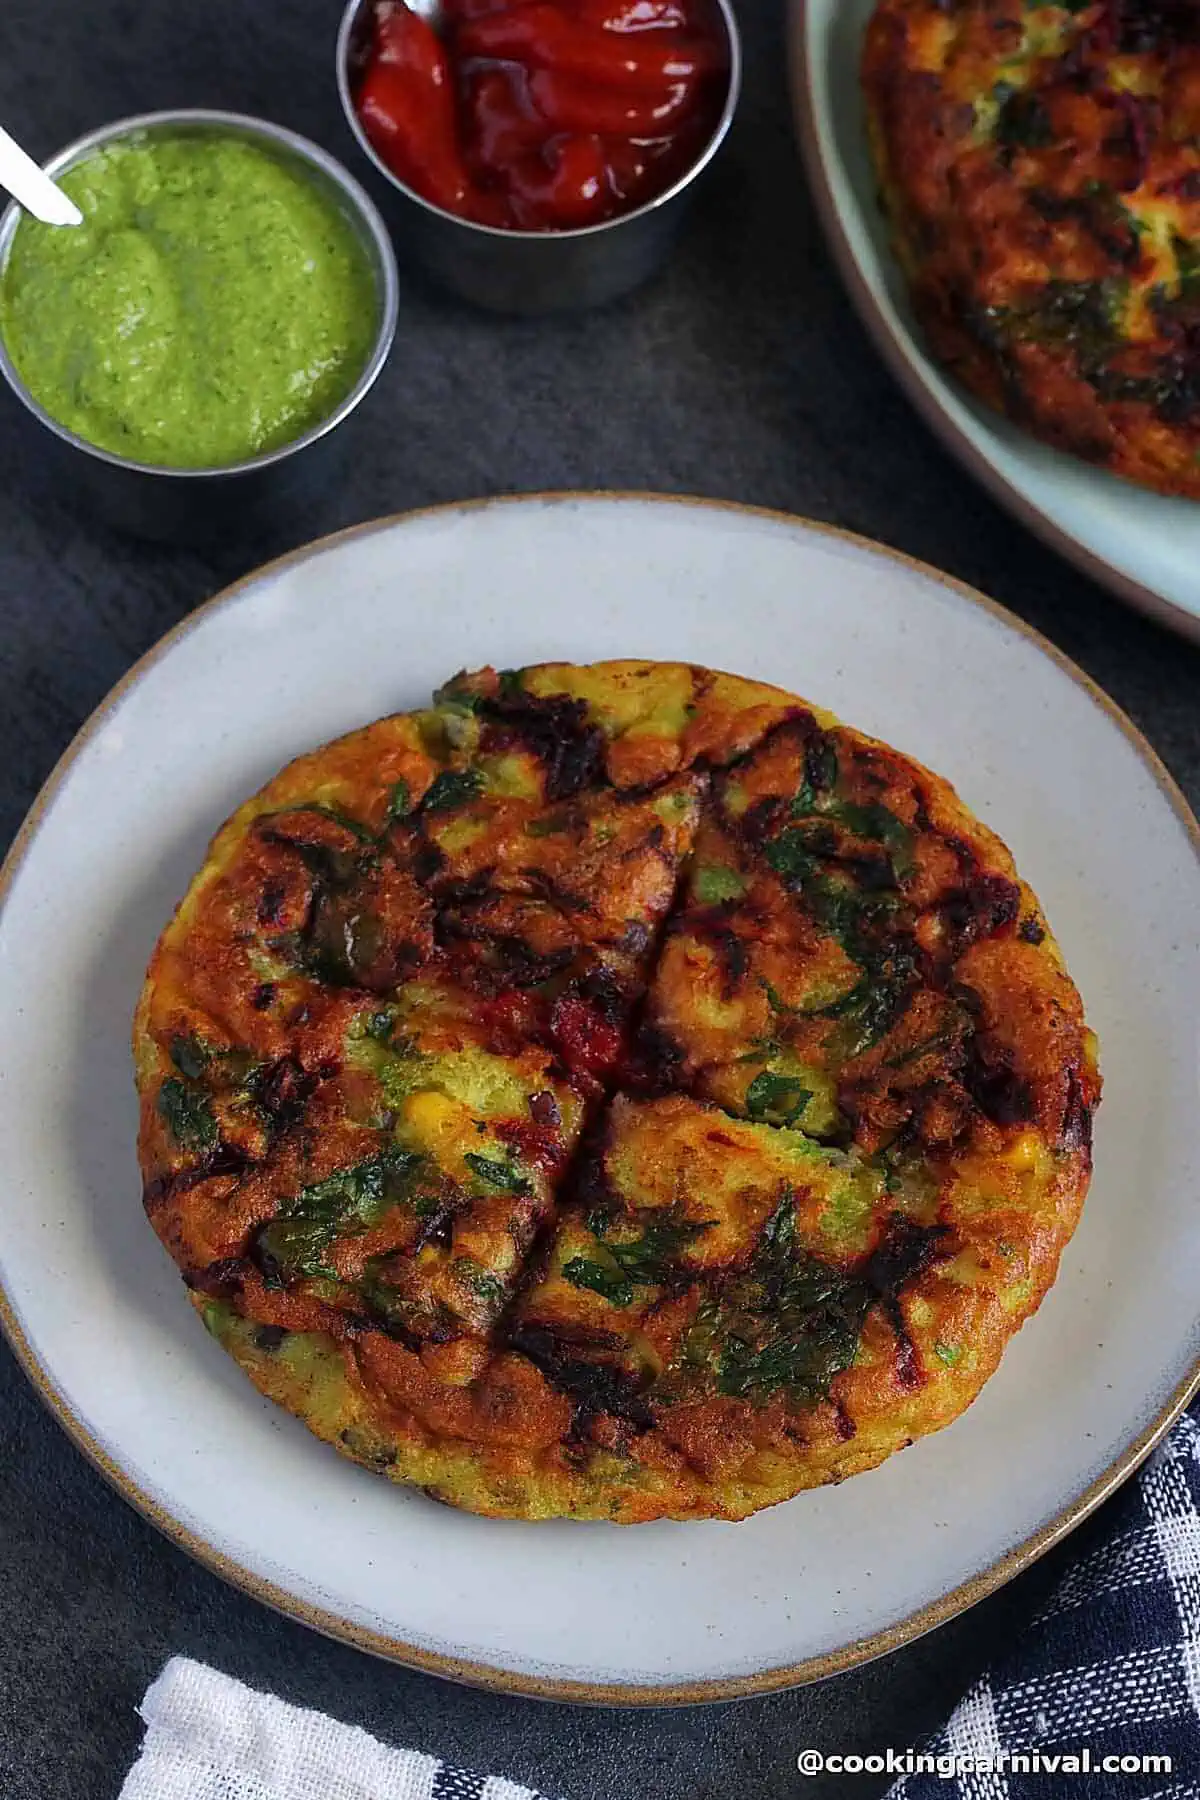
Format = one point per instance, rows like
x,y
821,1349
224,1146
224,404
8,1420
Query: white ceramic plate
x,y
1142,546
369,622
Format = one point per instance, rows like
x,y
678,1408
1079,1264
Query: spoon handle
x,y
33,187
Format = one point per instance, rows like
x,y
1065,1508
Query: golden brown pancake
x,y
1040,165
621,1092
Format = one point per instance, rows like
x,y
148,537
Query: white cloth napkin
x,y
210,1738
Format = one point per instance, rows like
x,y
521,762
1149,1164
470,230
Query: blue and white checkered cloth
x,y
1109,1669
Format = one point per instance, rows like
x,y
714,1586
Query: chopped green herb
x,y
191,1056
947,1353
339,818
457,698
821,765
187,1115
548,825
792,1322
488,1286
791,858
309,1221
876,822
1023,121
216,1068
644,1262
608,1282
399,800
777,1099
453,787
777,1003
499,1175
876,1001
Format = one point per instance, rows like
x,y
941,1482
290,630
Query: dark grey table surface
x,y
742,374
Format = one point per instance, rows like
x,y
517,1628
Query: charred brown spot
x,y
655,1061
544,1110
556,729
906,1250
263,996
981,907
1076,1132
225,1159
556,893
219,1280
843,1424
428,861
596,1388
270,903
905,1253
282,1090
1001,1095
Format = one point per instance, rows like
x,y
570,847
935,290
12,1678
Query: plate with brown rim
x,y
367,623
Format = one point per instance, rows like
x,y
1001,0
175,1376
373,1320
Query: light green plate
x,y
1142,546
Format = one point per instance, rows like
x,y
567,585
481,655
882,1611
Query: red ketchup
x,y
544,115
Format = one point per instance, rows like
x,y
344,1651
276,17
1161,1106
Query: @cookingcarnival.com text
x,y
948,1765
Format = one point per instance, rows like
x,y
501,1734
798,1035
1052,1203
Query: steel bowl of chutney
x,y
189,358
540,155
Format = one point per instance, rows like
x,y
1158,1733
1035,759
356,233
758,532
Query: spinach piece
x,y
821,766
191,1056
777,1003
1023,122
880,825
548,825
777,1099
187,1115
339,818
609,1283
794,1322
453,787
222,1068
482,1282
877,1001
1187,263
790,857
457,698
399,801
499,1175
645,1262
309,1221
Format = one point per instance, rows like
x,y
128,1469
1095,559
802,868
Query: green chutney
x,y
214,304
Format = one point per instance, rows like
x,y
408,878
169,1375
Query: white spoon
x,y
33,187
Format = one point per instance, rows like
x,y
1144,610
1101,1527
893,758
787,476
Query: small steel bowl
x,y
531,271
263,493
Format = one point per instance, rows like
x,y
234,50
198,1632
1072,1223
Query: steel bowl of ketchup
x,y
540,153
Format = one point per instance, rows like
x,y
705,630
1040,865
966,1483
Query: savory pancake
x,y
621,1092
1040,165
